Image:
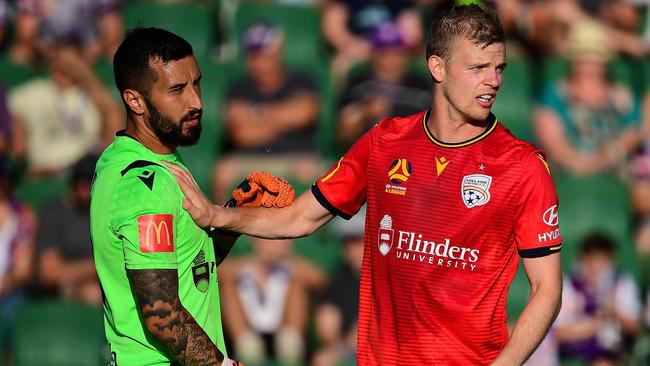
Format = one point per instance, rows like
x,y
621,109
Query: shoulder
x,y
400,125
147,185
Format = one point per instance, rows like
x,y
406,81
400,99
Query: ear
x,y
437,68
134,100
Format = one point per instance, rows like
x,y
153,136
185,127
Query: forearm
x,y
268,223
295,113
168,321
532,326
108,108
78,271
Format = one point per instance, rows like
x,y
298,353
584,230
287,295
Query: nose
x,y
493,79
195,98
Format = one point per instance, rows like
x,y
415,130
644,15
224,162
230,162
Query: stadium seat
x,y
595,204
513,106
12,74
191,21
37,193
59,334
301,26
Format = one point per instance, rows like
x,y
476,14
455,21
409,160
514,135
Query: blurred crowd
x,y
288,86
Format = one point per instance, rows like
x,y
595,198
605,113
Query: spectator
x,y
94,25
601,306
337,315
388,89
66,267
270,115
7,139
347,24
17,235
586,123
265,297
63,116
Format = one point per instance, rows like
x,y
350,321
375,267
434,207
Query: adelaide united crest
x,y
385,241
476,190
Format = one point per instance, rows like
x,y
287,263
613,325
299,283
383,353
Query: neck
x,y
447,124
136,128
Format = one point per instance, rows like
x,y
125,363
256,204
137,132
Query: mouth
x,y
192,122
486,100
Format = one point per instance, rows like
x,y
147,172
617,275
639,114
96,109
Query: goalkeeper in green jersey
x,y
157,268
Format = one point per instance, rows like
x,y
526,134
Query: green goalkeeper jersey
x,y
138,222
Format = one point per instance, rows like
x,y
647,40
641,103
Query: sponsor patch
x,y
550,216
385,240
156,233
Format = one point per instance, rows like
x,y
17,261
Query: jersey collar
x,y
491,126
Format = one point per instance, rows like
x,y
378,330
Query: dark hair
x,y
480,25
597,243
131,60
84,169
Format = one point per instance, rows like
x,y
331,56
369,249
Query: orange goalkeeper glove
x,y
262,189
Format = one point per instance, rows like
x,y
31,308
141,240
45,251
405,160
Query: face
x,y
596,265
272,251
264,62
470,78
592,68
391,62
174,106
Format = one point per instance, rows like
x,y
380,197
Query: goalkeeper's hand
x,y
262,189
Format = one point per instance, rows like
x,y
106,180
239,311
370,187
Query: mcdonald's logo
x,y
156,233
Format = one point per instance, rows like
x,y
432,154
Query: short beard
x,y
170,133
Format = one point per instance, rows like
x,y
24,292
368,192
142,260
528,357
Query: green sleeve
x,y
145,210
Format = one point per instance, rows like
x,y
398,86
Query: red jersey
x,y
445,226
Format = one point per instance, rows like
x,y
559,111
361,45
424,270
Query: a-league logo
x,y
385,241
400,171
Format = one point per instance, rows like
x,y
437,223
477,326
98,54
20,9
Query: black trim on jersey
x,y
540,252
138,164
320,197
491,126
123,133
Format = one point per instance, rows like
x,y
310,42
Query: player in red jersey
x,y
453,201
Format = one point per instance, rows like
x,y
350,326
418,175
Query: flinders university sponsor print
x,y
411,246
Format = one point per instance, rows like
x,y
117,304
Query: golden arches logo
x,y
156,233
400,171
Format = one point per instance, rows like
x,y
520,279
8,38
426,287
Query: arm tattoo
x,y
165,317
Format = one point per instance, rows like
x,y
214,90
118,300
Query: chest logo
x,y
400,171
441,164
385,235
475,190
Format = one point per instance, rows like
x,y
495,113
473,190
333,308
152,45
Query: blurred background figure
x,y
601,307
63,116
387,88
17,235
94,25
65,262
270,116
586,123
336,316
347,25
265,297
6,131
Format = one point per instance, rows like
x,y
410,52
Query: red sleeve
x,y
342,190
537,229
